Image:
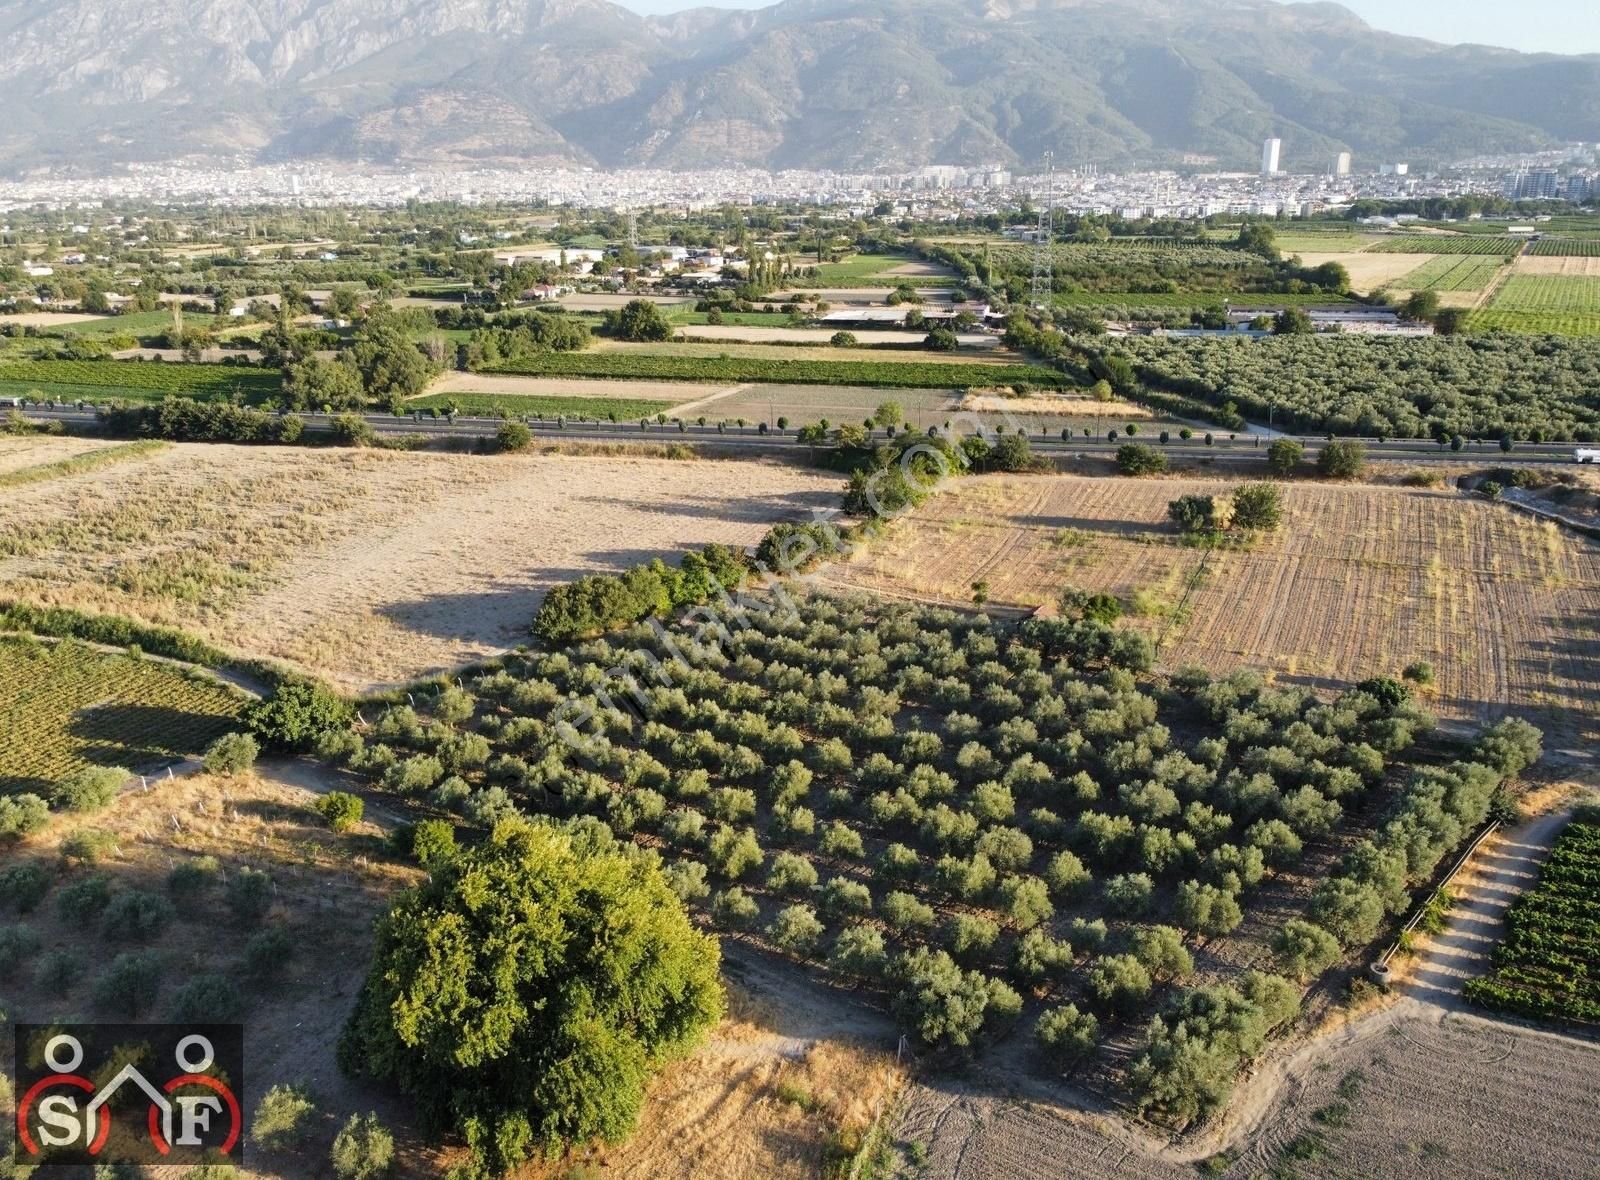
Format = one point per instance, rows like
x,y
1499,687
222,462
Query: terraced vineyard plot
x,y
1549,964
1450,244
134,380
1452,274
65,706
1359,581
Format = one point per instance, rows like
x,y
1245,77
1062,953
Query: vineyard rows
x,y
738,369
1448,244
1558,293
1450,273
1567,248
1549,964
199,381
68,706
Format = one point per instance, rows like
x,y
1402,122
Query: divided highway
x,y
750,438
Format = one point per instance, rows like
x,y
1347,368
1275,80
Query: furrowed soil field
x,y
1359,581
369,567
1536,264
64,706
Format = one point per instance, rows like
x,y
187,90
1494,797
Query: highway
x,y
749,438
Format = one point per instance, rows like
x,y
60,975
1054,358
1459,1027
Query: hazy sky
x,y
1554,26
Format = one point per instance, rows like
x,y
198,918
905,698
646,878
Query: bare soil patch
x,y
370,567
1059,407
50,319
761,335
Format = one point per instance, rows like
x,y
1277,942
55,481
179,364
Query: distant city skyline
x,y
1540,26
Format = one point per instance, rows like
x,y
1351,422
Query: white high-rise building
x,y
1341,164
1271,151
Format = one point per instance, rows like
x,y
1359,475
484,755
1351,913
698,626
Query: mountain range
x,y
858,85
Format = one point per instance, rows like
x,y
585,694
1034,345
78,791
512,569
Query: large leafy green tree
x,y
526,993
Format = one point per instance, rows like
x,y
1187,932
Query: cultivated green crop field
x,y
737,369
66,706
1566,305
133,381
1450,244
1566,248
1467,273
864,268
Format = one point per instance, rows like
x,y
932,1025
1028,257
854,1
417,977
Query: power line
x,y
1043,288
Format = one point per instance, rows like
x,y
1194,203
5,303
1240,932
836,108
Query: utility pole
x,y
1043,264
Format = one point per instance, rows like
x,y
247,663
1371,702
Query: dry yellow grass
x,y
820,352
369,567
667,391
1368,272
751,1102
1359,581
36,450
1057,407
1538,264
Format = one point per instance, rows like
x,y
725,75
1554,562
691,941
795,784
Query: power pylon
x,y
1043,264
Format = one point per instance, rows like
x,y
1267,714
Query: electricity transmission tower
x,y
1043,266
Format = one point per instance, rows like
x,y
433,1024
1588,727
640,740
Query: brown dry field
x,y
1538,264
1059,407
24,451
1368,272
820,336
1359,581
370,567
665,391
821,352
328,889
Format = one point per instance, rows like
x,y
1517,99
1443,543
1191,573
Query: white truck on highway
x,y
1583,455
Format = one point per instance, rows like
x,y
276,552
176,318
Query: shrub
x,y
207,999
21,816
17,943
1119,982
859,951
57,972
296,715
1129,894
23,887
282,1117
1067,1033
797,930
1258,507
85,899
1305,949
1025,901
969,936
433,841
525,922
1284,455
1207,910
734,909
1161,951
942,1005
137,916
362,1150
688,880
341,810
1067,877
904,912
841,841
266,955
232,753
1341,459
88,846
1510,746
512,437
128,987
733,852
1140,459
91,789
249,894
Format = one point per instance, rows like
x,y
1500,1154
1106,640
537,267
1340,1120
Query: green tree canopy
x,y
526,993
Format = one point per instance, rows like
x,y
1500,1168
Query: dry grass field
x,y
579,387
817,352
24,451
369,567
1538,264
1360,580
1368,272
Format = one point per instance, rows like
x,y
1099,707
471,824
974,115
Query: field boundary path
x,y
1502,870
